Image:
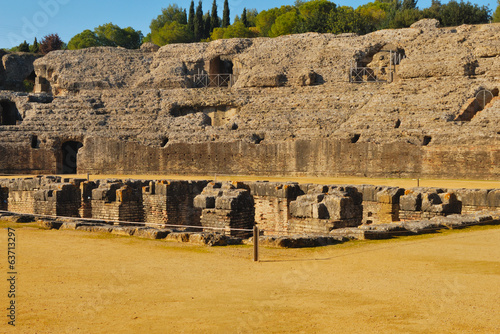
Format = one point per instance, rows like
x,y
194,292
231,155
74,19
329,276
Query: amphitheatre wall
x,y
289,107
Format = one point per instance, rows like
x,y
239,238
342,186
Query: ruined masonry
x,y
420,102
233,208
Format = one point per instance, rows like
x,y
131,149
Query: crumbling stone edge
x,y
191,235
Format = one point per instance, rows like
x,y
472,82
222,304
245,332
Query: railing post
x,y
256,243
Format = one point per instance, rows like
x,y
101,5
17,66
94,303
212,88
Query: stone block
x,y
390,195
204,202
411,202
494,198
301,209
319,211
178,236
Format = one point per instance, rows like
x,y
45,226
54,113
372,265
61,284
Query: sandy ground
x,y
78,282
405,183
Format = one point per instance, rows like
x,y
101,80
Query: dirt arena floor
x,y
79,282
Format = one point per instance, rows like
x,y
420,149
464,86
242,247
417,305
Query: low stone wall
x,y
276,208
272,205
116,200
171,202
227,206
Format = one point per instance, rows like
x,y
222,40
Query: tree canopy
x,y
107,35
177,25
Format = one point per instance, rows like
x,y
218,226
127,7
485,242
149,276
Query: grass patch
x,y
18,226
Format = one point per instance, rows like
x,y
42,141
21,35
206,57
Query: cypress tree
x,y
191,17
207,22
199,25
225,15
35,48
244,19
214,20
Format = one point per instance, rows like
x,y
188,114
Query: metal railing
x,y
368,74
213,80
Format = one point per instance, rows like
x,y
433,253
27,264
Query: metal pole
x,y
256,243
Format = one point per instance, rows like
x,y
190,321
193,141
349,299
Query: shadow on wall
x,y
9,115
69,157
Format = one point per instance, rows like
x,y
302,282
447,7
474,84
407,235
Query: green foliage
x,y
225,15
35,48
244,19
112,35
191,17
23,47
496,14
107,35
314,16
85,39
456,13
345,20
236,30
199,26
285,24
266,18
50,43
172,32
172,13
405,18
28,86
409,4
214,19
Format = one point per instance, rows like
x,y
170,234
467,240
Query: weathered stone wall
x,y
324,208
291,111
475,200
115,200
44,195
276,208
227,206
171,202
422,203
272,205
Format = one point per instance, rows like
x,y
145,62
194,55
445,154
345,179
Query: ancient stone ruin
x,y
213,210
282,106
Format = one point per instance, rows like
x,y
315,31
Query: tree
x,y
285,24
266,18
225,15
207,25
35,48
85,39
191,17
112,35
23,47
172,32
314,16
50,43
236,30
496,14
244,19
409,4
346,20
214,19
170,14
405,18
199,25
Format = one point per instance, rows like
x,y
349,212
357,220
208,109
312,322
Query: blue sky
x,y
25,19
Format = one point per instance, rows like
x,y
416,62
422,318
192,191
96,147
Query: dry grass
x,y
78,282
